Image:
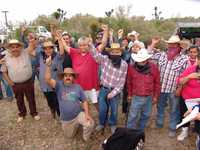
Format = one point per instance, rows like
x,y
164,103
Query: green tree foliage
x,y
120,18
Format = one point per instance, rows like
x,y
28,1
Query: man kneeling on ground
x,y
69,97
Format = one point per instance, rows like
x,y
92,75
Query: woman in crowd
x,y
190,82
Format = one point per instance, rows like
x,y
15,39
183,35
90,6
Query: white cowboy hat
x,y
14,42
133,33
139,43
173,39
141,55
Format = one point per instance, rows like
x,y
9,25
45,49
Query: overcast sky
x,y
20,10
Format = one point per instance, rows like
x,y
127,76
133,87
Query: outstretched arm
x,y
105,38
47,77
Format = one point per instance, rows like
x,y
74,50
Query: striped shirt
x,y
170,70
111,77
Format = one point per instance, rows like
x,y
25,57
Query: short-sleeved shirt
x,y
87,69
69,99
19,68
56,67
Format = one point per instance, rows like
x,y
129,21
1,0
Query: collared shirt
x,y
148,85
87,69
56,67
170,70
111,77
19,68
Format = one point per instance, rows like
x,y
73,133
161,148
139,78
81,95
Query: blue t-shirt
x,y
69,99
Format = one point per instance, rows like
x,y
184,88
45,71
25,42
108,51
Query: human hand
x,y
154,100
194,75
104,27
11,83
88,117
48,61
23,28
187,112
2,61
58,34
109,96
129,98
155,40
32,39
120,33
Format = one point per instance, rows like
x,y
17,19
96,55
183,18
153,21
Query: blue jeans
x,y
174,110
112,104
8,89
139,112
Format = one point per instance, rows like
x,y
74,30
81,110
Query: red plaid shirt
x,y
143,84
111,77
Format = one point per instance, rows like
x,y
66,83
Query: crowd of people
x,y
97,72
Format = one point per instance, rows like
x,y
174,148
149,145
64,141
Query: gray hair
x,y
83,39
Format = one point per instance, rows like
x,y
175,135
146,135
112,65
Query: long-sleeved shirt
x,y
192,88
111,77
143,84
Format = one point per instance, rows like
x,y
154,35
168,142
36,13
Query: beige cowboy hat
x,y
14,42
114,46
141,55
67,71
173,39
47,44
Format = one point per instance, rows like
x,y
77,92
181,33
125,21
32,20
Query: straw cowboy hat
x,y
133,33
141,56
48,44
67,71
173,39
14,42
114,46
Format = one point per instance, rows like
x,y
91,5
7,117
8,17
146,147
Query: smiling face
x,y
193,52
83,44
15,49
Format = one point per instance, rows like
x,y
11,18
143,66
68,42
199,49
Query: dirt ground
x,y
46,134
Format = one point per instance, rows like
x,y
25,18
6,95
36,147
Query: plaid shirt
x,y
111,77
170,70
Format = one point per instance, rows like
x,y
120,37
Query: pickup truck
x,y
189,30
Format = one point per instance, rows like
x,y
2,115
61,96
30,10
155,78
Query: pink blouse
x,y
192,87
